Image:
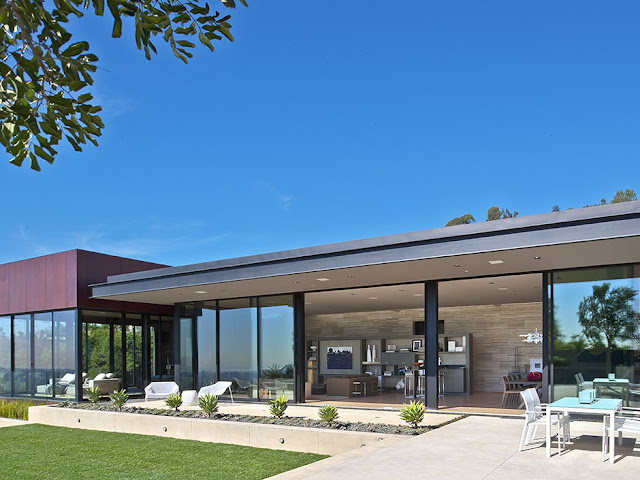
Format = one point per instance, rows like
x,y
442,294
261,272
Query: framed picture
x,y
339,358
416,345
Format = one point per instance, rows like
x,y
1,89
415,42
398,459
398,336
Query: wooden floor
x,y
480,402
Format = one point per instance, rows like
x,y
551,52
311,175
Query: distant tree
x,y
495,213
608,313
462,220
627,195
555,208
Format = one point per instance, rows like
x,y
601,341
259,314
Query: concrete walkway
x,y
479,448
10,422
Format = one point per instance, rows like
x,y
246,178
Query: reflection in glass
x,y
276,347
5,356
207,368
238,345
43,354
186,354
64,351
596,326
22,359
133,330
96,348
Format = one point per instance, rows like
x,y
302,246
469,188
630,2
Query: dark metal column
x,y
298,347
547,346
13,357
123,340
431,344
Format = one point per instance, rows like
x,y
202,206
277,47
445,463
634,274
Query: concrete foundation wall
x,y
297,439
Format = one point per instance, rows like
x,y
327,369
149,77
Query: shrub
x,y
328,413
174,400
119,398
93,394
208,404
16,409
413,413
278,406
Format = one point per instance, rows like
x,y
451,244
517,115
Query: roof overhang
x,y
603,235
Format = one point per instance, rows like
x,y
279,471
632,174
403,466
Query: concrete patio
x,y
479,447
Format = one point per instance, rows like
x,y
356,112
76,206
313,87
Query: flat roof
x,y
591,224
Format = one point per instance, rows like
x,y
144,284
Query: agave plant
x,y
278,406
174,401
93,394
413,413
328,413
208,404
119,398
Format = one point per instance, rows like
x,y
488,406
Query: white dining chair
x,y
534,417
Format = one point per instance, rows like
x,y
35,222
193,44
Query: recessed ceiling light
x,y
401,289
417,294
492,283
513,293
222,290
351,276
466,271
373,298
536,258
352,294
503,288
322,279
456,265
495,262
296,281
199,291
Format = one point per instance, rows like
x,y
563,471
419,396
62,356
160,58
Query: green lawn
x,y
39,451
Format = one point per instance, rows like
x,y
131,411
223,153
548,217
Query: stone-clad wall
x,y
495,330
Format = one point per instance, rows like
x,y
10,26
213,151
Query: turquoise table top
x,y
599,404
613,382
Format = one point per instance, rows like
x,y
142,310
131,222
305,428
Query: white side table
x,y
189,398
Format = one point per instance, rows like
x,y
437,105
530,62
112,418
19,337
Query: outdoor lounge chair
x,y
581,383
160,390
535,416
216,389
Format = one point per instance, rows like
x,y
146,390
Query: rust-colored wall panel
x,y
62,280
96,267
42,283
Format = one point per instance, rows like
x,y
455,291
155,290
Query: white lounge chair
x,y
160,390
216,389
535,416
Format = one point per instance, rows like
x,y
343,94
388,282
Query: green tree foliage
x,y
627,195
47,74
495,213
608,314
462,220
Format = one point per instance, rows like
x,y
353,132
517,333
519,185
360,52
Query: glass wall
x,y
186,353
206,329
133,331
239,345
64,341
276,346
43,353
5,356
247,341
22,355
595,315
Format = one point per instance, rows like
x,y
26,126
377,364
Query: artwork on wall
x,y
339,358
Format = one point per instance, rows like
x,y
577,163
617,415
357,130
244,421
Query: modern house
x,y
463,306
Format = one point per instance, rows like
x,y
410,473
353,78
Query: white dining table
x,y
602,406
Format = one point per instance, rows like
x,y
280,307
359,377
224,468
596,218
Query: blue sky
x,y
329,123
